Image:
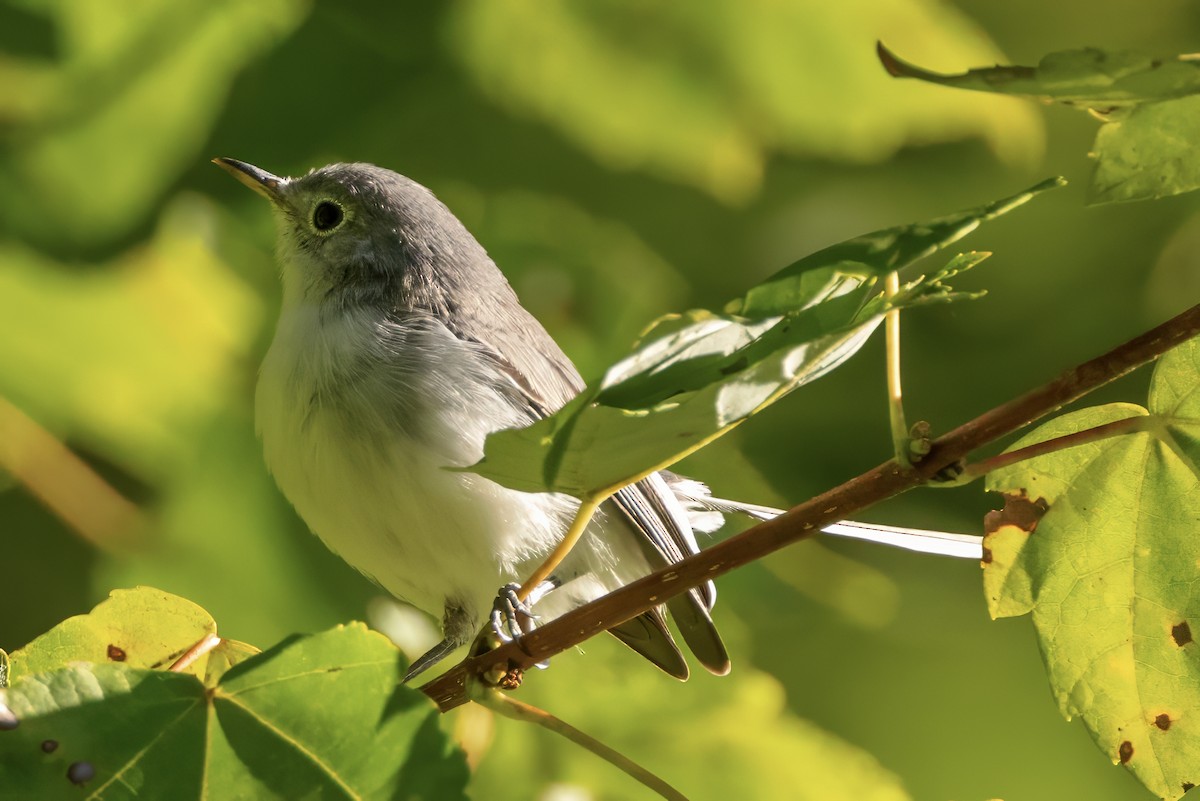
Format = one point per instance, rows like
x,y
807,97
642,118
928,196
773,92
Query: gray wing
x,y
520,348
546,379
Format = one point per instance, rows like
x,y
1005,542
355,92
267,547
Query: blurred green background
x,y
619,160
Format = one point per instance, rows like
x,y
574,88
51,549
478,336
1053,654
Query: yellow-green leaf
x,y
142,627
1099,543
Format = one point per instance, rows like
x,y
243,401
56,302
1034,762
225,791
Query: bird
x,y
400,346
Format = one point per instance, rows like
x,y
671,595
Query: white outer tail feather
x,y
943,543
964,546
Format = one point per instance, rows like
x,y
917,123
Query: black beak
x,y
261,181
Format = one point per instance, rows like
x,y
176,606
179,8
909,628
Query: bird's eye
x,y
327,215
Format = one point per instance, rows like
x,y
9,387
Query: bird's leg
x,y
458,627
511,617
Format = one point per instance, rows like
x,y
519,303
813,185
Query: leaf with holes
x,y
1099,542
1150,107
320,716
142,627
695,376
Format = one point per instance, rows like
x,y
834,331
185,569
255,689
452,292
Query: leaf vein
x,y
118,776
337,780
226,693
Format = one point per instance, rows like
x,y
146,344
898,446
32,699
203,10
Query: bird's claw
x,y
509,612
511,617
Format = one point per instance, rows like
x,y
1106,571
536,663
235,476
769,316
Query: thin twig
x,y
511,708
205,644
883,482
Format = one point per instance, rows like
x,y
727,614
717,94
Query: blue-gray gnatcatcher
x,y
400,347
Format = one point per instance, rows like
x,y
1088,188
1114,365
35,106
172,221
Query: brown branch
x,y
883,482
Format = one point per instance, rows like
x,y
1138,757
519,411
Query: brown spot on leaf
x,y
1187,786
1125,752
987,556
1163,721
1181,633
49,746
116,653
1018,511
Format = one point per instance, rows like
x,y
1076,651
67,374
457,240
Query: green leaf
x,y
699,374
1148,152
1148,105
1089,77
827,272
139,730
1099,542
142,627
288,701
266,730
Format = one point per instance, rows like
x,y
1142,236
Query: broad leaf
x,y
1147,152
1099,542
696,376
1148,105
321,716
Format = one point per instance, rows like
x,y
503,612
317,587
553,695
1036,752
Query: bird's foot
x,y
511,617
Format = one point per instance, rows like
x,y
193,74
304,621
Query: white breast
x,y
359,417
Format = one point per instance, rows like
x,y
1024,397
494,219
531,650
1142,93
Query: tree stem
x,y
583,516
900,439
